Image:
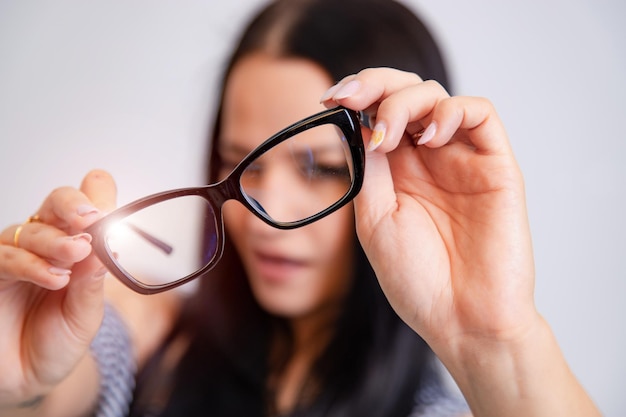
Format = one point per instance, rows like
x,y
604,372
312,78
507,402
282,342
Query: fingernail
x,y
347,90
329,93
428,134
100,272
59,271
378,135
84,236
85,210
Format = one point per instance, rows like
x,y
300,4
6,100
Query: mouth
x,y
277,268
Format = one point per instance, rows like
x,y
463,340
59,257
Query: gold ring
x,y
16,236
33,219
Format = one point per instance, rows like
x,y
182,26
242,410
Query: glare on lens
x,y
123,230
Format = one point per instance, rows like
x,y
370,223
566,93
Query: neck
x,y
311,335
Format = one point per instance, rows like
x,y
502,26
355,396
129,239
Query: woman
x,y
312,304
293,322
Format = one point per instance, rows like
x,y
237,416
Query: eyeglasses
x,y
299,175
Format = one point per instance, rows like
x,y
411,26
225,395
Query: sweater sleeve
x,y
112,350
435,398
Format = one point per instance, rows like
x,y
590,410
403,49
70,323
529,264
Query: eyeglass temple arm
x,y
152,239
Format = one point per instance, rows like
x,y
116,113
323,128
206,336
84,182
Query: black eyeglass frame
x,y
229,188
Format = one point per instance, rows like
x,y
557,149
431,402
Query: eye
x,y
227,161
229,154
228,165
314,169
322,164
225,168
322,171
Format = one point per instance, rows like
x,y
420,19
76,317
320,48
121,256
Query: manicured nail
x,y
59,271
347,90
330,92
100,272
428,134
84,236
378,135
85,210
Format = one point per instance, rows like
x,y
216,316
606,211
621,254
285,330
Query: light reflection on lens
x,y
164,242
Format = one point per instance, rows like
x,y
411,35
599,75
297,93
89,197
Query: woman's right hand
x,y
51,290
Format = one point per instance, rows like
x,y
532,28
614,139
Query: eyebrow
x,y
232,148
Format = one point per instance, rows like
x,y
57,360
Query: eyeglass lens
x,y
296,179
301,176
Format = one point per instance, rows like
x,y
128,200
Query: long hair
x,y
374,363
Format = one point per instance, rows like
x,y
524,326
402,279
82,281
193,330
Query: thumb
x,y
84,298
99,187
377,196
85,291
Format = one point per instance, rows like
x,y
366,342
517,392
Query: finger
x,y
18,265
377,196
68,209
408,110
396,98
85,291
45,254
72,210
84,297
476,116
49,243
360,91
99,187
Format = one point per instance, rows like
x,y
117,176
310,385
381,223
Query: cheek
x,y
336,262
334,241
335,232
235,219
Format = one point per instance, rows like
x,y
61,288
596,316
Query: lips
x,y
277,268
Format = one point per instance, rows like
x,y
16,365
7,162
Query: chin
x,y
285,306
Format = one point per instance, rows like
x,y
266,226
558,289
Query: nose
x,y
278,193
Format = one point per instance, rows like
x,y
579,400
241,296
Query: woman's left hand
x,y
443,223
442,217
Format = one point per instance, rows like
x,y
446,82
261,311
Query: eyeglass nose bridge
x,y
230,189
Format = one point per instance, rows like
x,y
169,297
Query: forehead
x,y
265,94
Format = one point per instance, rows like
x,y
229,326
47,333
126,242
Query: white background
x,y
129,86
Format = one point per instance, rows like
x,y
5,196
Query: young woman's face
x,y
293,273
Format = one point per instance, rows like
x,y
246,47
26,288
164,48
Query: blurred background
x,y
129,86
